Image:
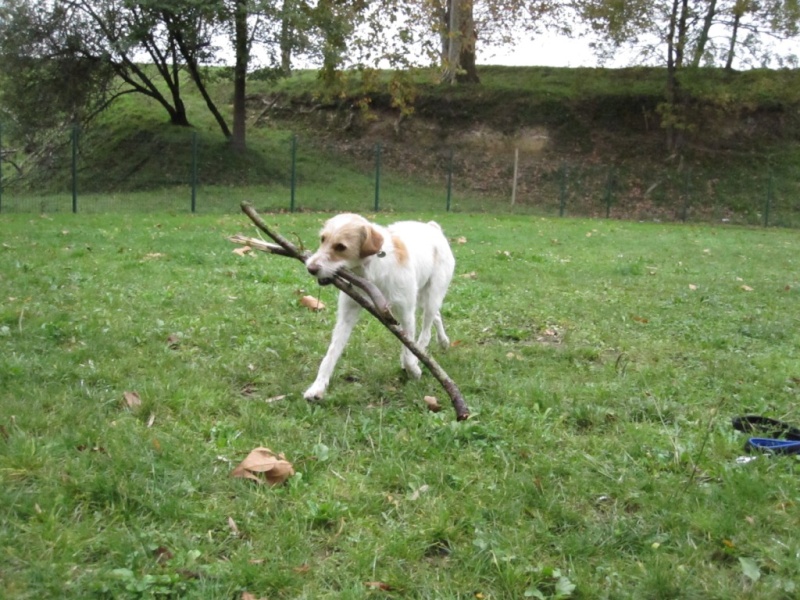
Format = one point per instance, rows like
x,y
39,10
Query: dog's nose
x,y
313,268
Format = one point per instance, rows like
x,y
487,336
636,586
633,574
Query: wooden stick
x,y
364,293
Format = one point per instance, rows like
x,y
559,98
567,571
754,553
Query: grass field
x,y
602,362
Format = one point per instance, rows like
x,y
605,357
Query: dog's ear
x,y
372,243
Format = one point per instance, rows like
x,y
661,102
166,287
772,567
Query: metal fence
x,y
286,175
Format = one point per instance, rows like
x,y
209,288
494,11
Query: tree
x,y
47,82
683,34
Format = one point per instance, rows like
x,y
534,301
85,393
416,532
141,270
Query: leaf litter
x,y
262,465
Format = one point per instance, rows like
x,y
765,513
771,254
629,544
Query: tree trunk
x,y
197,78
702,40
238,139
732,48
672,115
287,37
468,72
460,43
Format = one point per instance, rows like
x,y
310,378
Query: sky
x,y
544,51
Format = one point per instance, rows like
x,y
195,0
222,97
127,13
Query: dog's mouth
x,y
325,280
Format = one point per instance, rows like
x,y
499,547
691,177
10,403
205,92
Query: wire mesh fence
x,y
86,173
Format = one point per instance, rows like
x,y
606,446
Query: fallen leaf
x,y
747,288
432,403
153,255
242,250
311,303
248,389
378,585
461,240
275,399
750,568
174,341
419,491
264,466
232,524
151,420
304,568
640,319
156,445
692,287
470,275
162,554
132,399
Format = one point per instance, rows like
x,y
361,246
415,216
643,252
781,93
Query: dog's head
x,y
345,241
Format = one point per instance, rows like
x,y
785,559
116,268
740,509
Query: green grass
x,y
601,360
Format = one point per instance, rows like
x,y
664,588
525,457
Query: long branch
x,y
372,301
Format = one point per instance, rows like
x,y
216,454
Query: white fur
x,y
410,262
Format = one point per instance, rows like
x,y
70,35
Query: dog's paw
x,y
314,393
444,342
413,370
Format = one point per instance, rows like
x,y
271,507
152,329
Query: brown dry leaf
x,y
162,554
264,466
304,568
132,399
470,275
461,240
153,255
378,585
174,341
419,491
311,303
275,399
747,288
151,420
640,319
242,250
432,403
249,596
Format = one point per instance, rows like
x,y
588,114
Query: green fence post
x,y
377,176
687,190
562,191
193,176
768,205
294,173
75,168
449,180
609,191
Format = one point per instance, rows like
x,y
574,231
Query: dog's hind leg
x,y
407,318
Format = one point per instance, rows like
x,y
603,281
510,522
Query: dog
x,y
410,262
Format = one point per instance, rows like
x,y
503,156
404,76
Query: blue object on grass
x,y
774,446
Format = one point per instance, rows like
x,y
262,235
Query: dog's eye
x,y
340,247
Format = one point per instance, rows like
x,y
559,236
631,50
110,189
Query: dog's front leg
x,y
346,318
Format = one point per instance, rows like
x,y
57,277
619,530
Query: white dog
x,y
410,262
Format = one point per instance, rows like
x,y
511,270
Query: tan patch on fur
x,y
400,250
